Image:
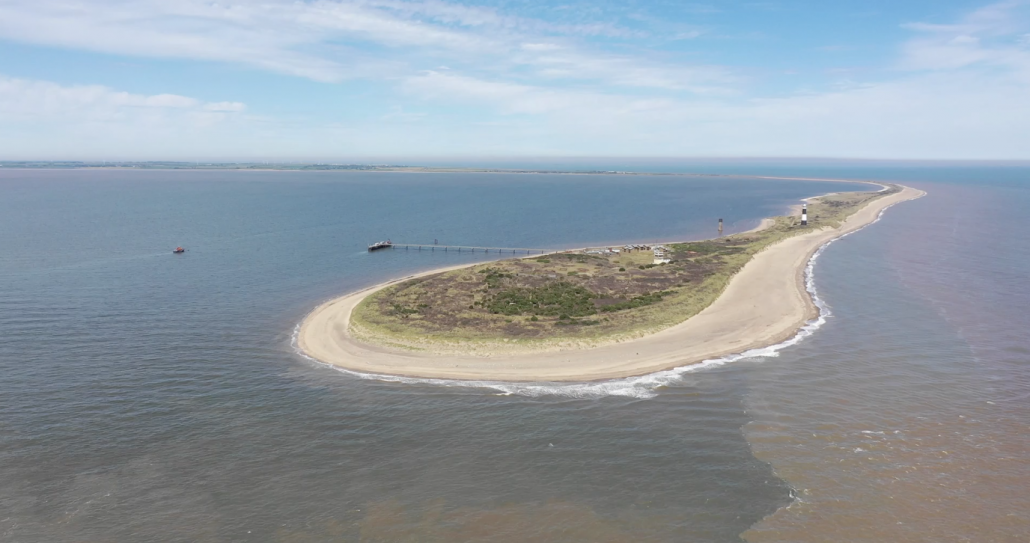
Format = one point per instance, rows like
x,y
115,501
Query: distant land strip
x,y
319,166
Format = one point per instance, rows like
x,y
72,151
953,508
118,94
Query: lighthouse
x,y
804,214
720,226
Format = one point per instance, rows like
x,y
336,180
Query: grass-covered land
x,y
577,296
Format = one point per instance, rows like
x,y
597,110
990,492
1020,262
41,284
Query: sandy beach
x,y
764,304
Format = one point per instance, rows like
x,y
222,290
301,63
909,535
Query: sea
x,y
149,396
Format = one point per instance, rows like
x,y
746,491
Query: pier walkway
x,y
469,249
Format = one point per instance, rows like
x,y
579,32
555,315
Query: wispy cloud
x,y
41,118
988,37
398,114
23,100
509,97
628,71
234,107
335,40
277,35
963,94
495,81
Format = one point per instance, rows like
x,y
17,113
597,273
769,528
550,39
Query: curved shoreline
x,y
764,304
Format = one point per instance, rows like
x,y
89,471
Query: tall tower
x,y
720,226
804,214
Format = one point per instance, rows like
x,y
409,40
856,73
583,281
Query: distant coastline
x,y
386,168
763,304
334,167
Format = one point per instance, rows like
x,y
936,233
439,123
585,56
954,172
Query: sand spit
x,y
764,304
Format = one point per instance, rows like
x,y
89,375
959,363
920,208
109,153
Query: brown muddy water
x,y
906,417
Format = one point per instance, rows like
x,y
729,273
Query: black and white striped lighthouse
x,y
804,214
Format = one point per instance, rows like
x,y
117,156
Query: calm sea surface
x,y
146,396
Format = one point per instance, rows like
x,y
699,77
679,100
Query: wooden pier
x,y
470,249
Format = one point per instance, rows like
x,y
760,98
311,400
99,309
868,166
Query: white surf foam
x,y
643,386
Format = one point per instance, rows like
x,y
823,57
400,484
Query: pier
x,y
469,249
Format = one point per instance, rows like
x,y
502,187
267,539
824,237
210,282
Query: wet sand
x,y
764,304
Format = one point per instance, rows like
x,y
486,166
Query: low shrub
x,y
637,301
552,299
493,277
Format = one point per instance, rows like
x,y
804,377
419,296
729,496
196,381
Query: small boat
x,y
179,250
380,245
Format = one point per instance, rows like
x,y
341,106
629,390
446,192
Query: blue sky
x,y
342,80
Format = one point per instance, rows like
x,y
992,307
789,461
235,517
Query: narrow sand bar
x,y
763,304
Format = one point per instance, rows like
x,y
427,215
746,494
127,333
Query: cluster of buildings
x,y
661,252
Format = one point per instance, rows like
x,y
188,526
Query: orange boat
x,y
179,250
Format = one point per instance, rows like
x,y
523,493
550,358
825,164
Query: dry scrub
x,y
575,297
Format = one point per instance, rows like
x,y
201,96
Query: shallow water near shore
x,y
905,418
148,396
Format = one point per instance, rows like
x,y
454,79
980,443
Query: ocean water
x,y
905,417
146,396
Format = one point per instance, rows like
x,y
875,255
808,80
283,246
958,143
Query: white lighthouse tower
x,y
804,214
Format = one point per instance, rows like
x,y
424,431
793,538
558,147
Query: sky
x,y
343,80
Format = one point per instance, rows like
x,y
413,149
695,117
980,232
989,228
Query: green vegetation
x,y
575,296
637,301
548,300
493,277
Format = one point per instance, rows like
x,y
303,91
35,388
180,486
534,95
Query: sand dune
x,y
764,304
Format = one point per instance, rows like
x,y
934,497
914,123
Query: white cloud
x,y
334,40
517,99
398,114
24,100
540,46
988,37
46,120
960,91
225,106
158,100
959,111
627,71
508,97
277,35
688,35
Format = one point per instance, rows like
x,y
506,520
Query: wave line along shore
x,y
764,304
